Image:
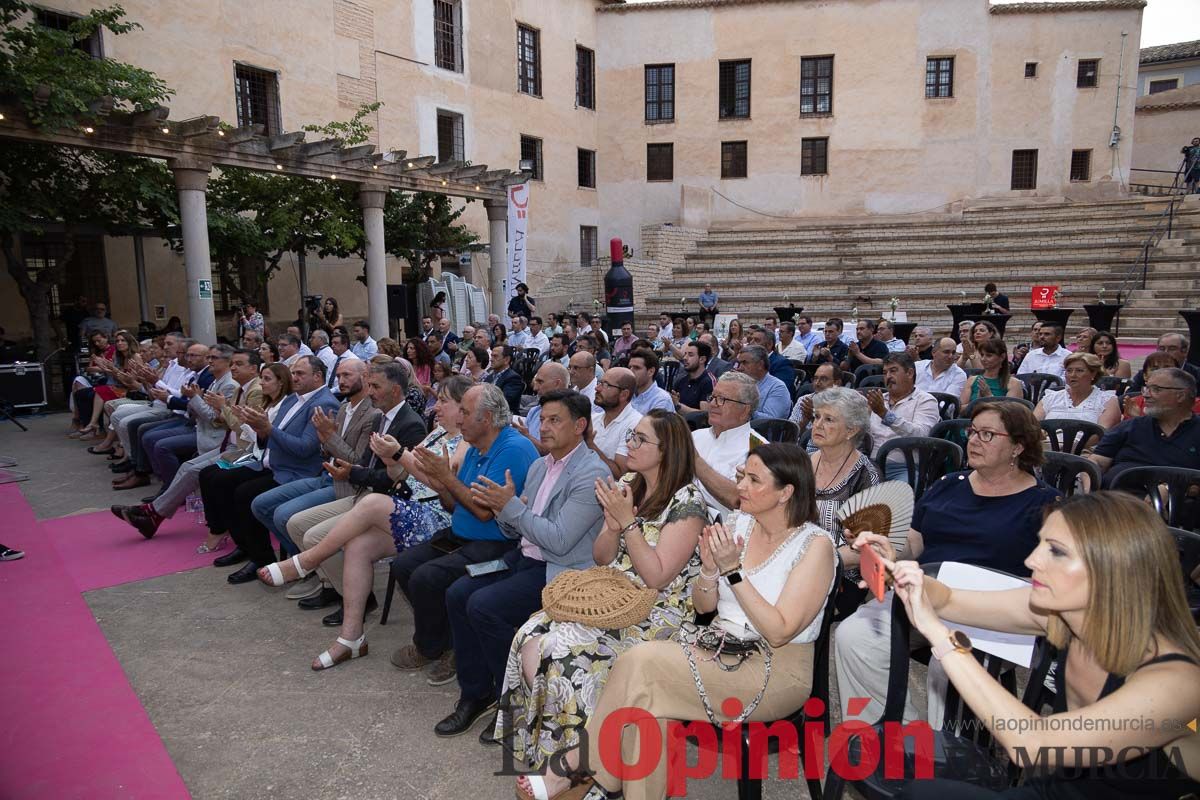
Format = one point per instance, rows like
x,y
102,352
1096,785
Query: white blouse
x,y
769,577
1058,405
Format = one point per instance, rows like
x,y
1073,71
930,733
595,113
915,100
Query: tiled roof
x,y
1047,8
1185,97
1171,52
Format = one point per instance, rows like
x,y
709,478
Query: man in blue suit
x,y
291,450
505,377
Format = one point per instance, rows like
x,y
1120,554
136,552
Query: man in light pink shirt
x,y
557,520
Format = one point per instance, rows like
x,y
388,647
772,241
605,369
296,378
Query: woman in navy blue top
x,y
988,516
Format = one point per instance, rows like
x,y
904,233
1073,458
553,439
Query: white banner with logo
x,y
518,236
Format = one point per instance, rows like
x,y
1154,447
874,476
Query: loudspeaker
x,y
23,385
397,300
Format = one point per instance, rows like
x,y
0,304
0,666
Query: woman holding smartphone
x,y
1108,595
381,525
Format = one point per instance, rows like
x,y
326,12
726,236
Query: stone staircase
x,y
830,267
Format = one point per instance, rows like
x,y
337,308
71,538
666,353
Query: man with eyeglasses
x,y
1176,345
615,418
582,367
723,446
1168,435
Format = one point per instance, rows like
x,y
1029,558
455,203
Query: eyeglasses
x,y
717,401
1154,388
985,436
635,440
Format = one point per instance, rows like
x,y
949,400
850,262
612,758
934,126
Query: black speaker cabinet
x,y
23,385
397,300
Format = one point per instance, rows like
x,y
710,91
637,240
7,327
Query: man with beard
x,y
695,385
615,418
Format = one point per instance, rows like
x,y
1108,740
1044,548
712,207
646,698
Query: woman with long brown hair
x,y
1107,593
653,520
119,381
996,379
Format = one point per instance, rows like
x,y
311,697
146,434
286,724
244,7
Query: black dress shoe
x,y
244,575
488,734
324,599
334,620
466,714
236,556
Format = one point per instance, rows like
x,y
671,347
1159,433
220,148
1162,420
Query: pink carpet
x,y
98,550
73,726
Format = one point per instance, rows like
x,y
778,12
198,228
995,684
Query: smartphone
x,y
445,542
486,568
873,571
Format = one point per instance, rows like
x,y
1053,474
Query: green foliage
x,y
421,227
57,83
353,131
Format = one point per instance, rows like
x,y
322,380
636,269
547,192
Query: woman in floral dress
x,y
556,670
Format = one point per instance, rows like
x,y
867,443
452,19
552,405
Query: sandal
x,y
108,451
272,574
220,545
9,554
581,783
354,649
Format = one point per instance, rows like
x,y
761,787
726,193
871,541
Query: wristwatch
x,y
890,418
734,576
957,641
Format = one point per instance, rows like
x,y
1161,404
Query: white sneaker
x,y
307,587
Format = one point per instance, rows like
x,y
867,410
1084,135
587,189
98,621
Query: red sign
x,y
1043,297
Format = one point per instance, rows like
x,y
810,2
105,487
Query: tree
x,y
421,227
57,85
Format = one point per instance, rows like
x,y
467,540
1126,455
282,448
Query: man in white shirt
x,y
644,365
1049,359
537,338
558,349
789,345
187,357
582,367
295,331
319,342
887,334
666,328
614,418
364,346
518,337
904,411
339,344
941,373
723,447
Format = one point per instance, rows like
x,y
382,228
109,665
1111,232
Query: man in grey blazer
x,y
170,452
557,521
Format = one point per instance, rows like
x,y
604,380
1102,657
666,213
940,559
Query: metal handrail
x,y
1162,227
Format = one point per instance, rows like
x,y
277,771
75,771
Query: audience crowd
x,y
691,477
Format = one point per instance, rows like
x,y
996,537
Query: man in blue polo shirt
x,y
425,571
1168,435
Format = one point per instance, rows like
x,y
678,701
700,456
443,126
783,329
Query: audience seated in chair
x,y
774,587
988,515
940,373
550,377
774,396
614,418
1081,399
1177,346
722,447
506,378
1048,360
826,376
996,379
644,366
904,411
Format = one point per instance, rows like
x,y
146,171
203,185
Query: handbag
x,y
721,643
603,597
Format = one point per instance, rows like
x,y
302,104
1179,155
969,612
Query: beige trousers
x,y
655,677
307,528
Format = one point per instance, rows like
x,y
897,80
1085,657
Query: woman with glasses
x,y
653,519
988,515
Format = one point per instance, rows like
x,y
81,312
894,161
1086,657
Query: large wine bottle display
x,y
618,289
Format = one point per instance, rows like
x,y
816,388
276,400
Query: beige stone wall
x,y
1160,135
891,149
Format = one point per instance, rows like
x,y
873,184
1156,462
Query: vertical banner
x,y
518,234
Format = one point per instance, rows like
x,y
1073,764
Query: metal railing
x,y
1162,227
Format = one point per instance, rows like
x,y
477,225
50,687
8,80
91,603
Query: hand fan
x,y
885,509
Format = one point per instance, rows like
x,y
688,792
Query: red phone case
x,y
873,571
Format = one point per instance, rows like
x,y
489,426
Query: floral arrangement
x,y
895,301
1100,296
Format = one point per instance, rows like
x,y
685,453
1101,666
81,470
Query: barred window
x,y
660,162
531,150
939,77
1024,169
733,159
660,92
587,168
1164,85
62,22
450,136
256,92
1089,72
588,236
1081,165
816,85
814,156
447,34
734,89
529,61
585,78
1030,69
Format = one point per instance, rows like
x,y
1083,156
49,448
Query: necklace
x,y
837,472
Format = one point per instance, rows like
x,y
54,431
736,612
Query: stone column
x,y
191,180
499,291
372,197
